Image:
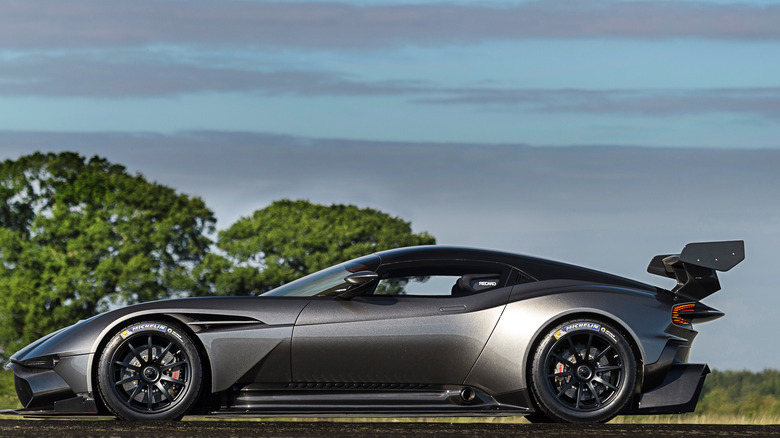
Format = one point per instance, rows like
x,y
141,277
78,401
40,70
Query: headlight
x,y
47,362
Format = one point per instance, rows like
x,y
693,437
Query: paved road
x,y
214,429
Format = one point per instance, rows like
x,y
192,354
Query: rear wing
x,y
694,268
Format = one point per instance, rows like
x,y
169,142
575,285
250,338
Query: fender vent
x,y
219,322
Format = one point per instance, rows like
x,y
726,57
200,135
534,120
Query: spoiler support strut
x,y
695,267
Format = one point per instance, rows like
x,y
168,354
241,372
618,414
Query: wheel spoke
x,y
173,365
161,357
579,397
135,392
564,374
608,368
605,383
609,347
128,366
163,391
148,398
595,394
172,380
149,345
136,353
574,349
128,379
587,348
561,359
567,387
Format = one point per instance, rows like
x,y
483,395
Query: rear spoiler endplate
x,y
695,267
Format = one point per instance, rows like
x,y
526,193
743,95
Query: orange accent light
x,y
678,313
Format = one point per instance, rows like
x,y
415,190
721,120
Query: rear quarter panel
x,y
535,307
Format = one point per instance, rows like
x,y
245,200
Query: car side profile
x,y
420,331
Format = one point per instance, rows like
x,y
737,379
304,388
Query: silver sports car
x,y
429,330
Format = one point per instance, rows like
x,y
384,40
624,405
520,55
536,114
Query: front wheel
x,y
583,372
149,371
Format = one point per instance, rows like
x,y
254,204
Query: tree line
x,y
741,393
79,235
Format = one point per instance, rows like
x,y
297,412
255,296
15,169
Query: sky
x,y
596,132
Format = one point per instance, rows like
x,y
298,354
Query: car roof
x,y
538,268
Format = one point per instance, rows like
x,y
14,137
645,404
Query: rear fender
x,y
502,365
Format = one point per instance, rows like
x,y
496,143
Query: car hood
x,y
84,336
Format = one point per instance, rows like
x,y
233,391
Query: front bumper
x,y
39,388
60,389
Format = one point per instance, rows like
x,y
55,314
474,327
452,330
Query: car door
x,y
415,325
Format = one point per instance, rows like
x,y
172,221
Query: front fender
x,y
83,339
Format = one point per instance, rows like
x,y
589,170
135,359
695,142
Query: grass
x,y
8,398
697,419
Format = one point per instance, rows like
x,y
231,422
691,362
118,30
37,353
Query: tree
x,y
77,235
290,239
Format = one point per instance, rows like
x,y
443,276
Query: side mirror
x,y
355,280
360,277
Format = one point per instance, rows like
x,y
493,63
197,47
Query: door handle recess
x,y
460,308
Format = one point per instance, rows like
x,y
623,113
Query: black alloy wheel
x,y
583,372
150,371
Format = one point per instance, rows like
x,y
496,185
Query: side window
x,y
444,281
428,285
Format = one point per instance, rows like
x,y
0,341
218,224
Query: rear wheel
x,y
149,371
583,372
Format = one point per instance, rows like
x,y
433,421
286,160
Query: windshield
x,y
329,281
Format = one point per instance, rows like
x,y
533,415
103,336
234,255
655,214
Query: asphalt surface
x,y
214,429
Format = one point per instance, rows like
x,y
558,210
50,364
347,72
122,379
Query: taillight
x,y
679,311
685,314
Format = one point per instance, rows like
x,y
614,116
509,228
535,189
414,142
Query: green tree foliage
x,y
223,276
741,393
77,234
8,398
290,239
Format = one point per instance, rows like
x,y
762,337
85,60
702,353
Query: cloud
x,y
764,101
88,76
51,24
553,179
92,77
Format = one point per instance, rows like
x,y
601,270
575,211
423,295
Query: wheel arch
x,y
171,318
584,313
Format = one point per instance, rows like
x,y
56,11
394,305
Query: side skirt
x,y
346,399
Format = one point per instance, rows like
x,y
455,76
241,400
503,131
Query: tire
x,y
583,371
150,370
